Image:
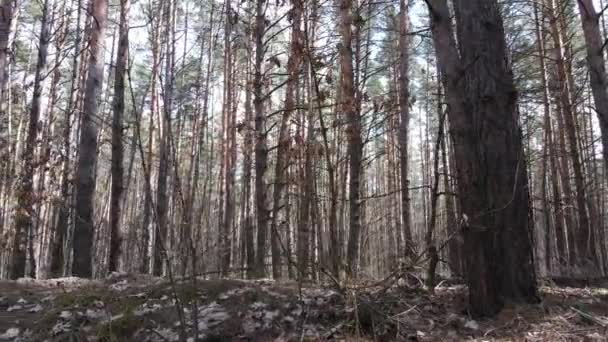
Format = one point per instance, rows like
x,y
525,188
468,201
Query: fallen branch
x,y
589,317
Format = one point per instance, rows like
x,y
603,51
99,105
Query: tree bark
x,y
26,197
116,236
490,163
162,196
598,81
226,210
550,148
585,252
7,11
355,143
283,160
404,113
85,167
261,145
597,66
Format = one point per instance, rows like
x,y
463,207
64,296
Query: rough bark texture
x,y
261,145
26,197
585,252
490,163
550,151
87,158
226,208
164,142
355,143
404,114
118,105
7,9
597,66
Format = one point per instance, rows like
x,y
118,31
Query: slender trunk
x,y
597,66
26,197
59,253
404,123
226,190
261,145
432,252
116,232
550,148
282,163
7,19
585,251
355,143
162,200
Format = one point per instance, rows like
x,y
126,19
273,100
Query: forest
x,y
273,170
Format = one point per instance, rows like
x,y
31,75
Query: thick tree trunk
x,y
490,163
116,232
85,167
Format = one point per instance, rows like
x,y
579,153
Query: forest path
x,y
143,308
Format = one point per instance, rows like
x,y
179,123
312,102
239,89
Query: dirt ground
x,y
143,308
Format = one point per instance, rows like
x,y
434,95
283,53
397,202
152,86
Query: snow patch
x,y
65,315
10,333
234,292
120,286
147,308
61,327
167,335
211,315
55,282
35,308
472,325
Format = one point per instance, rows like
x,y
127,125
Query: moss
x,y
120,329
84,298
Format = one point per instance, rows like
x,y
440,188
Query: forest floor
x,y
143,308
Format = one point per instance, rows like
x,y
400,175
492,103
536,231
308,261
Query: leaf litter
x,y
143,308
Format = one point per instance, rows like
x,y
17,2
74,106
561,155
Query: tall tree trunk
x,y
148,244
597,67
161,242
87,158
454,246
282,163
116,232
246,221
226,205
490,161
60,253
582,236
261,144
26,197
404,113
7,13
355,143
429,239
558,209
